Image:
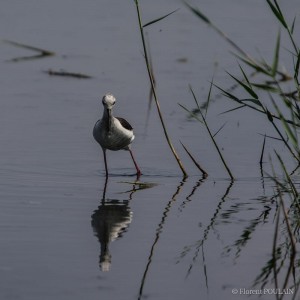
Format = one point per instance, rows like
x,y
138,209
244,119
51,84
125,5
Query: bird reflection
x,y
109,222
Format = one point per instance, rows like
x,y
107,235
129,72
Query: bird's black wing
x,y
125,124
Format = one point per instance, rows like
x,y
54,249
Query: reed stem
x,y
155,94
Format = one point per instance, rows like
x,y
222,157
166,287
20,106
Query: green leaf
x,y
266,87
209,96
195,99
297,67
276,56
286,125
245,76
277,12
253,65
293,26
287,175
198,13
228,95
190,112
262,150
219,129
233,109
246,87
159,19
194,160
271,137
254,101
269,116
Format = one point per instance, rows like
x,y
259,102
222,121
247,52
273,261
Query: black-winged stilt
x,y
113,133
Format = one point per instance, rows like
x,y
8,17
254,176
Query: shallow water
x,y
62,237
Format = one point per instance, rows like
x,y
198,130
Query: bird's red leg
x,y
138,171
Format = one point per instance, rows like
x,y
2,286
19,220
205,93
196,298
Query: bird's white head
x,y
108,101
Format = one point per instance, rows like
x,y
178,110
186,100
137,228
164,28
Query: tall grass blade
x,y
286,126
293,25
254,101
159,19
245,76
254,65
229,95
246,87
274,251
279,15
277,12
290,232
270,117
266,87
288,177
208,98
219,129
198,13
276,56
271,137
297,68
154,83
211,136
257,102
191,113
233,109
262,152
205,174
155,94
242,102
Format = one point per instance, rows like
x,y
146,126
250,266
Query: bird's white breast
x,y
115,138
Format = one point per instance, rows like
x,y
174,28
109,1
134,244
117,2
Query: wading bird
x,y
113,133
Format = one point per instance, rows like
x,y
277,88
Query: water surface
x,y
168,238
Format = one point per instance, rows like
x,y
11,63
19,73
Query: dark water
x,y
168,238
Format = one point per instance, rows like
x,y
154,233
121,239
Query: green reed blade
x,y
233,109
197,12
262,151
194,160
208,96
296,73
277,12
287,176
245,76
266,87
219,129
293,25
254,101
276,56
149,71
246,87
251,63
286,126
159,19
190,112
210,134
